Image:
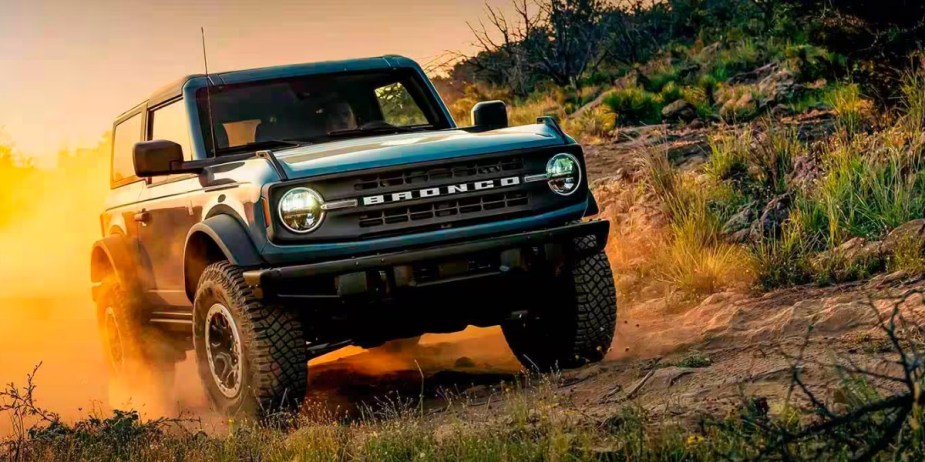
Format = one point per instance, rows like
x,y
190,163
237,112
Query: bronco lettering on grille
x,y
442,190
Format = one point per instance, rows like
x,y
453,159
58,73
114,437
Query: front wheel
x,y
251,357
574,323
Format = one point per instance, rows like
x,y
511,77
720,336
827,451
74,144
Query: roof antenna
x,y
205,61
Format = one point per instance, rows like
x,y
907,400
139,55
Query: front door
x,y
166,211
164,221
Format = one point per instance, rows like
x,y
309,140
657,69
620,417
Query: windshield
x,y
315,109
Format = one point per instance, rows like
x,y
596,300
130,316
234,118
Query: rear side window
x,y
170,123
124,137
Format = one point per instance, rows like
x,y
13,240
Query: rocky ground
x,y
679,364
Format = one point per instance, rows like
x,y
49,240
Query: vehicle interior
x,y
314,109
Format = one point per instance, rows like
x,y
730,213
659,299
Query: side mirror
x,y
157,158
489,115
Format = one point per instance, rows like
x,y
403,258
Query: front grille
x,y
425,176
442,209
389,216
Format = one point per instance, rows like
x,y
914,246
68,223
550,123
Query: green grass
x,y
537,423
695,360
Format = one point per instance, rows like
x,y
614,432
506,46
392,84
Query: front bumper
x,y
383,273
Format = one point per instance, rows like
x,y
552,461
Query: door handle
x,y
142,217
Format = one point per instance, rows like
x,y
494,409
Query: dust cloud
x,y
50,218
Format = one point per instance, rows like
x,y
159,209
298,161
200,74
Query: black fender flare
x,y
114,254
593,208
219,237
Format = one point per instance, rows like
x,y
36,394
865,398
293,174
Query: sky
x,y
68,68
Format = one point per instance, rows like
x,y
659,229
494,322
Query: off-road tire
x,y
148,356
274,358
573,322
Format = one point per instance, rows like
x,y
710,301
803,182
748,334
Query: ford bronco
x,y
263,217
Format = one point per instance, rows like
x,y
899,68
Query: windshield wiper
x,y
262,145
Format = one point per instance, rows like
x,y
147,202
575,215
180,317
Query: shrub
x,y
728,61
670,93
661,73
634,105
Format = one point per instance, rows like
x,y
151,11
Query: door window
x,y
124,137
171,123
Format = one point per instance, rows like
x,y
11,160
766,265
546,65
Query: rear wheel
x,y
574,320
141,359
251,357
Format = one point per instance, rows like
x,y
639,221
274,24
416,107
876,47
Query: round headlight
x,y
564,174
300,210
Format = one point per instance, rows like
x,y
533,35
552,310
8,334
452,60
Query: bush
x,y
635,105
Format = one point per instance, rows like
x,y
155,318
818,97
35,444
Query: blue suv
x,y
263,217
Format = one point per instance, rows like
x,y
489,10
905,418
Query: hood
x,y
406,148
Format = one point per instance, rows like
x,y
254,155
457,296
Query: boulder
x,y
772,217
679,110
807,169
755,75
741,221
858,250
696,124
741,106
778,87
911,231
856,258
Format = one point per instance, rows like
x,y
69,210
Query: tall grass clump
x,y
849,106
758,165
695,260
728,61
913,101
866,193
773,158
592,124
729,155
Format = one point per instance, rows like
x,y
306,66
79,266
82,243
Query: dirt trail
x,y
680,362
